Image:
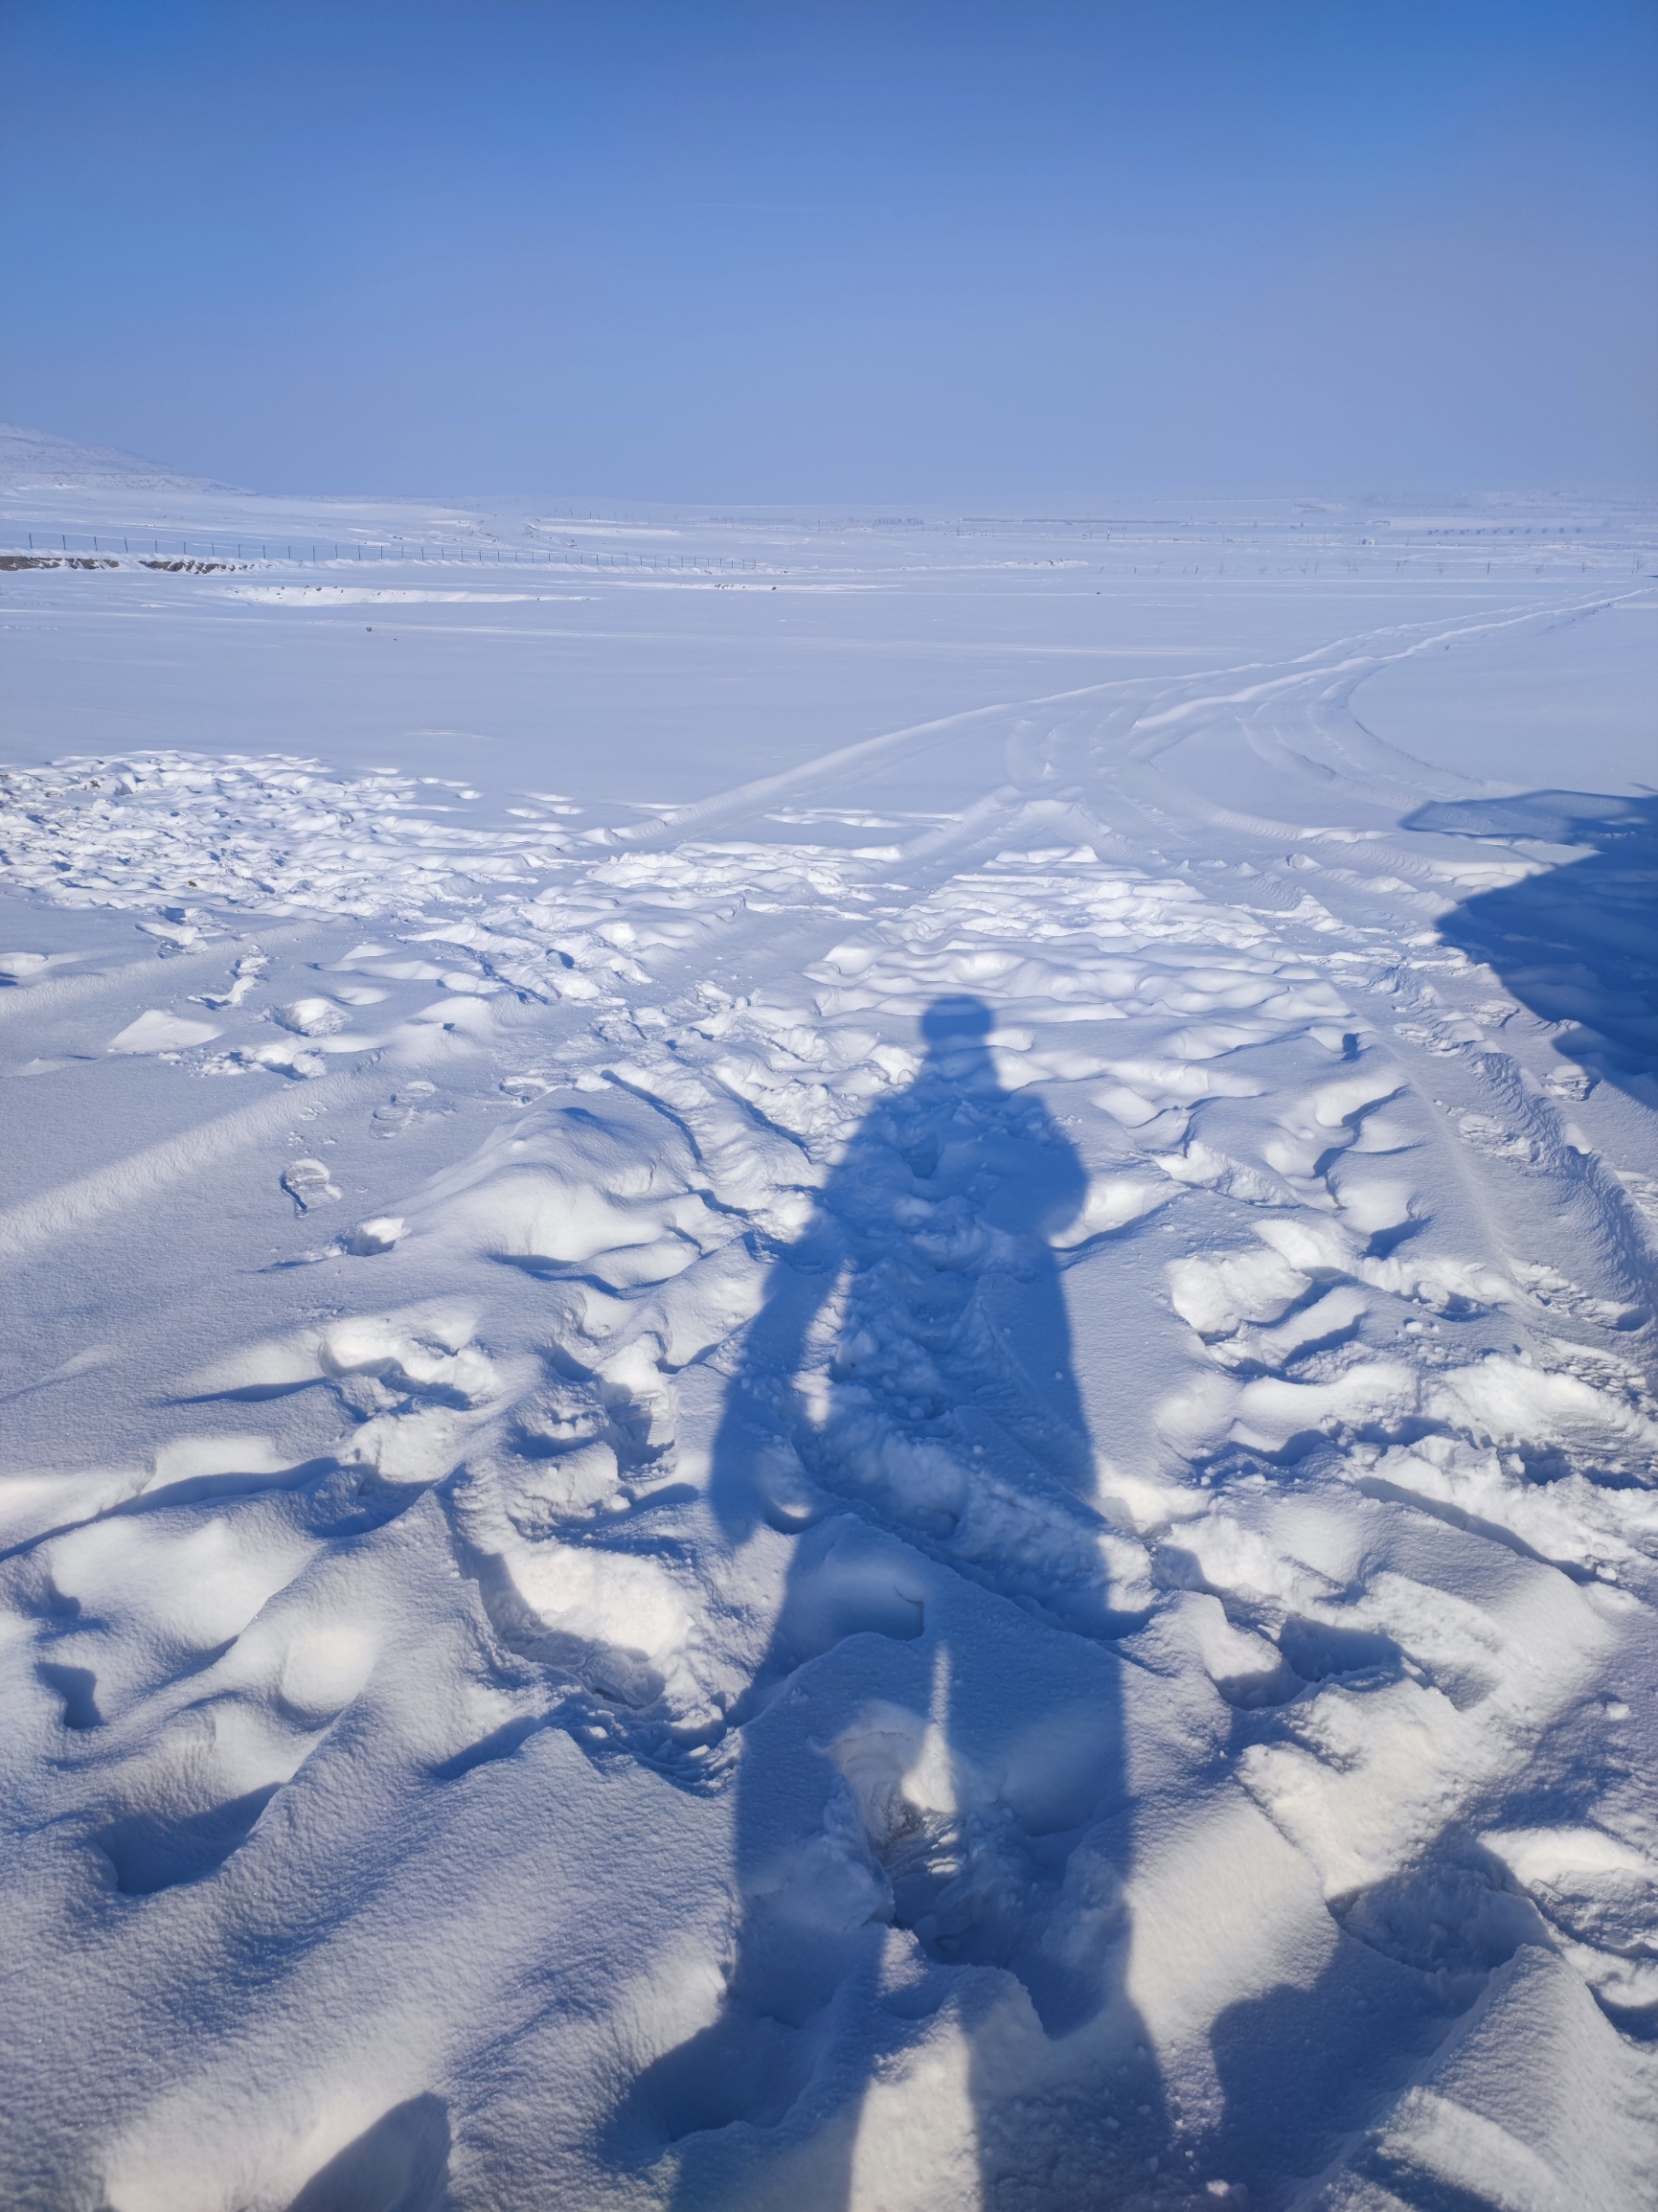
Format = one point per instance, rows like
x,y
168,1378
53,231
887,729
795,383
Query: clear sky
x,y
703,249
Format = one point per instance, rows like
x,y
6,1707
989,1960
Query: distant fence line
x,y
320,554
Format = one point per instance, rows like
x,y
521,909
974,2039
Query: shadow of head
x,y
956,1024
1578,942
400,2165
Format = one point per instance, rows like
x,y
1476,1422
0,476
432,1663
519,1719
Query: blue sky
x,y
843,252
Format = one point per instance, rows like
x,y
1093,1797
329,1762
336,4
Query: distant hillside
x,y
29,459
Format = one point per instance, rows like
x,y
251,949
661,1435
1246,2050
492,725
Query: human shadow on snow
x,y
905,1388
1577,944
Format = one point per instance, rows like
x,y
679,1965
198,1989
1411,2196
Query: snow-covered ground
x,y
830,1369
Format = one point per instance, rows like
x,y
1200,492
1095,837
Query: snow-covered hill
x,y
35,460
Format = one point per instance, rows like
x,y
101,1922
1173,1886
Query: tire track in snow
x,y
75,1207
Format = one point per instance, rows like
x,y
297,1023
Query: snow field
x,y
840,1502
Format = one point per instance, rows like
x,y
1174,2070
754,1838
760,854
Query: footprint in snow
x,y
306,1182
312,1017
401,1109
151,1851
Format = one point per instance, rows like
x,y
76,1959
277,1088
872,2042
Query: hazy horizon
x,y
1316,500
949,257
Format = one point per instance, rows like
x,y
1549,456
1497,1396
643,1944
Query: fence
x,y
107,543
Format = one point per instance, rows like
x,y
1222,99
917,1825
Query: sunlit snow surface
x,y
830,1383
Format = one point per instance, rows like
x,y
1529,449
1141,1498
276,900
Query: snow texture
x,y
858,1410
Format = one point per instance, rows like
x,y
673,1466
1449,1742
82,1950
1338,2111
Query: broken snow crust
x,y
830,1374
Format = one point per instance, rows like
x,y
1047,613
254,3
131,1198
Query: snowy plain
x,y
829,1375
